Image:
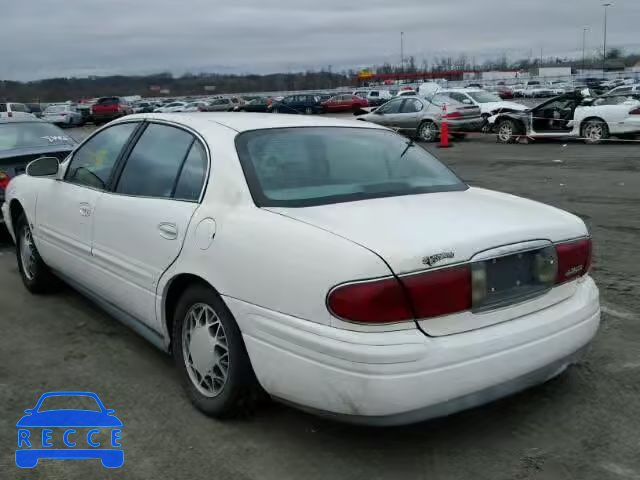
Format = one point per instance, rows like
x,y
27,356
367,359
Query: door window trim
x,y
108,184
122,161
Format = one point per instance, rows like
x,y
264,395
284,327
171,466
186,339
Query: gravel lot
x,y
583,425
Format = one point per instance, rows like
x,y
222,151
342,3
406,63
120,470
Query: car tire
x,y
506,131
594,131
428,131
35,274
208,337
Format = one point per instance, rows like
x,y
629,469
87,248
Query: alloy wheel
x,y
27,253
594,132
505,132
428,131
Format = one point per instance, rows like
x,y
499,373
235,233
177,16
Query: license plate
x,y
512,278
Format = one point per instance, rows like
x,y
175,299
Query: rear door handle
x,y
168,230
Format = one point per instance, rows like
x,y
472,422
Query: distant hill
x,y
61,89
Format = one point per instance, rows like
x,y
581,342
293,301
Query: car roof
x,y
242,122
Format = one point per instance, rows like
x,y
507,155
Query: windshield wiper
x,y
410,144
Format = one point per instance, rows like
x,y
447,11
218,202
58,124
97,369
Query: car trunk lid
x,y
415,233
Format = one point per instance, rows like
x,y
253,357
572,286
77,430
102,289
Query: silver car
x,y
63,114
422,117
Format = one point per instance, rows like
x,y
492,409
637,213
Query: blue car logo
x,y
81,432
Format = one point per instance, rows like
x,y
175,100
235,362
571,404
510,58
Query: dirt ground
x,y
583,425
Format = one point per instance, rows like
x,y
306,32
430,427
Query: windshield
x,y
297,167
484,97
31,134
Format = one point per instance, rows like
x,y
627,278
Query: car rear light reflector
x,y
635,111
574,259
453,115
439,292
375,301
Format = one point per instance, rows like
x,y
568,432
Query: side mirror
x,y
378,112
43,167
466,101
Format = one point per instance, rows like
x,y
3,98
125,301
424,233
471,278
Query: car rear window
x,y
108,101
31,134
298,167
55,109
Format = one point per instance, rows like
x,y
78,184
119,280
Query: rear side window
x,y
3,107
411,105
155,162
192,175
93,162
108,101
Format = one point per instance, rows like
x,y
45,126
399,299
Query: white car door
x,y
65,206
140,226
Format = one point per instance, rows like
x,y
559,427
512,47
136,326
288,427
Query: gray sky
x,y
45,38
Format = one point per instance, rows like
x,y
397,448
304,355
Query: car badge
x,y
431,260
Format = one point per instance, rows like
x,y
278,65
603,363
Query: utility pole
x,y
402,51
540,61
604,49
584,43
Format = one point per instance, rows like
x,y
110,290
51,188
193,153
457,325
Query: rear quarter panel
x,y
260,257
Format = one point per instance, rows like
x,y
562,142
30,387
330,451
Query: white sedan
x,y
172,107
335,264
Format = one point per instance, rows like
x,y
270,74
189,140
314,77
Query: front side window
x,y
297,167
93,162
155,162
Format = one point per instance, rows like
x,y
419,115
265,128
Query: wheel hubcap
x,y
205,350
27,256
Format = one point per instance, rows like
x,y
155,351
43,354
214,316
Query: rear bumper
x,y
400,377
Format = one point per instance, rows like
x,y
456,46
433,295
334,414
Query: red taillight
x,y
635,111
376,301
574,259
440,292
424,295
453,115
4,180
